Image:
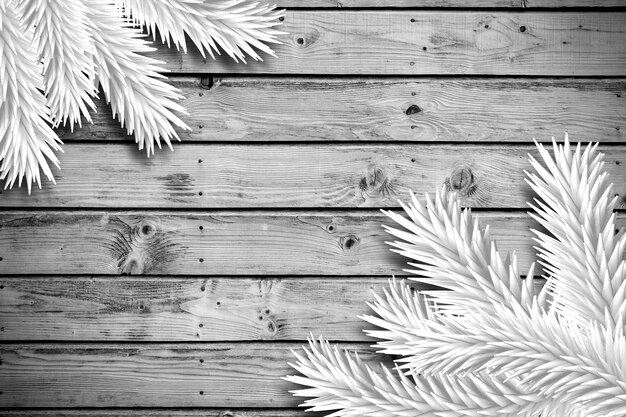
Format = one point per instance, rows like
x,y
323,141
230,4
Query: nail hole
x,y
199,161
300,41
201,360
201,227
424,48
200,193
219,303
282,18
200,325
201,260
201,392
522,29
486,26
412,20
412,159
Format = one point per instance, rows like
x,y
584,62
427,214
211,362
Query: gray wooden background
x,y
177,285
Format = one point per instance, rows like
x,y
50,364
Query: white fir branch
x,y
549,355
27,142
139,98
235,26
340,381
562,358
81,45
581,252
64,47
453,253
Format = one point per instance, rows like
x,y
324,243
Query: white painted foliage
x,y
486,343
55,53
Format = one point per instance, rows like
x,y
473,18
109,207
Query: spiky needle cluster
x,y
487,343
55,53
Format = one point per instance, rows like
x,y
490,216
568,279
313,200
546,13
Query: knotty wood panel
x,y
185,309
185,412
423,42
398,109
250,176
192,375
168,309
450,3
217,243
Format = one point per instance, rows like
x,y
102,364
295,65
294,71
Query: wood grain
x,y
270,109
184,309
289,176
425,42
442,4
218,243
191,375
155,412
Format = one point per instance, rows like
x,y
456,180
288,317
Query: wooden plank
x,y
450,3
425,42
185,412
289,176
212,375
168,309
184,309
218,243
391,109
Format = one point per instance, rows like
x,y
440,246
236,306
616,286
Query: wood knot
x,y
376,183
462,181
305,40
348,242
413,109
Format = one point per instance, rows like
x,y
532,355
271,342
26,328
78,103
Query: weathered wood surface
x,y
425,42
192,375
289,176
218,243
166,309
450,3
273,109
174,309
185,412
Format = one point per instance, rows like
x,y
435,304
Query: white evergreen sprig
x,y
63,38
236,26
131,82
81,44
26,140
562,358
580,251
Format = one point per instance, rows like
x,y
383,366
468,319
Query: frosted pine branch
x,y
64,44
140,99
27,142
235,26
584,258
341,381
453,253
566,358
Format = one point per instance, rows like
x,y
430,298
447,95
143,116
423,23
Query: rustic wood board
x,y
289,176
171,375
218,243
185,309
426,42
155,412
450,3
270,109
175,309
